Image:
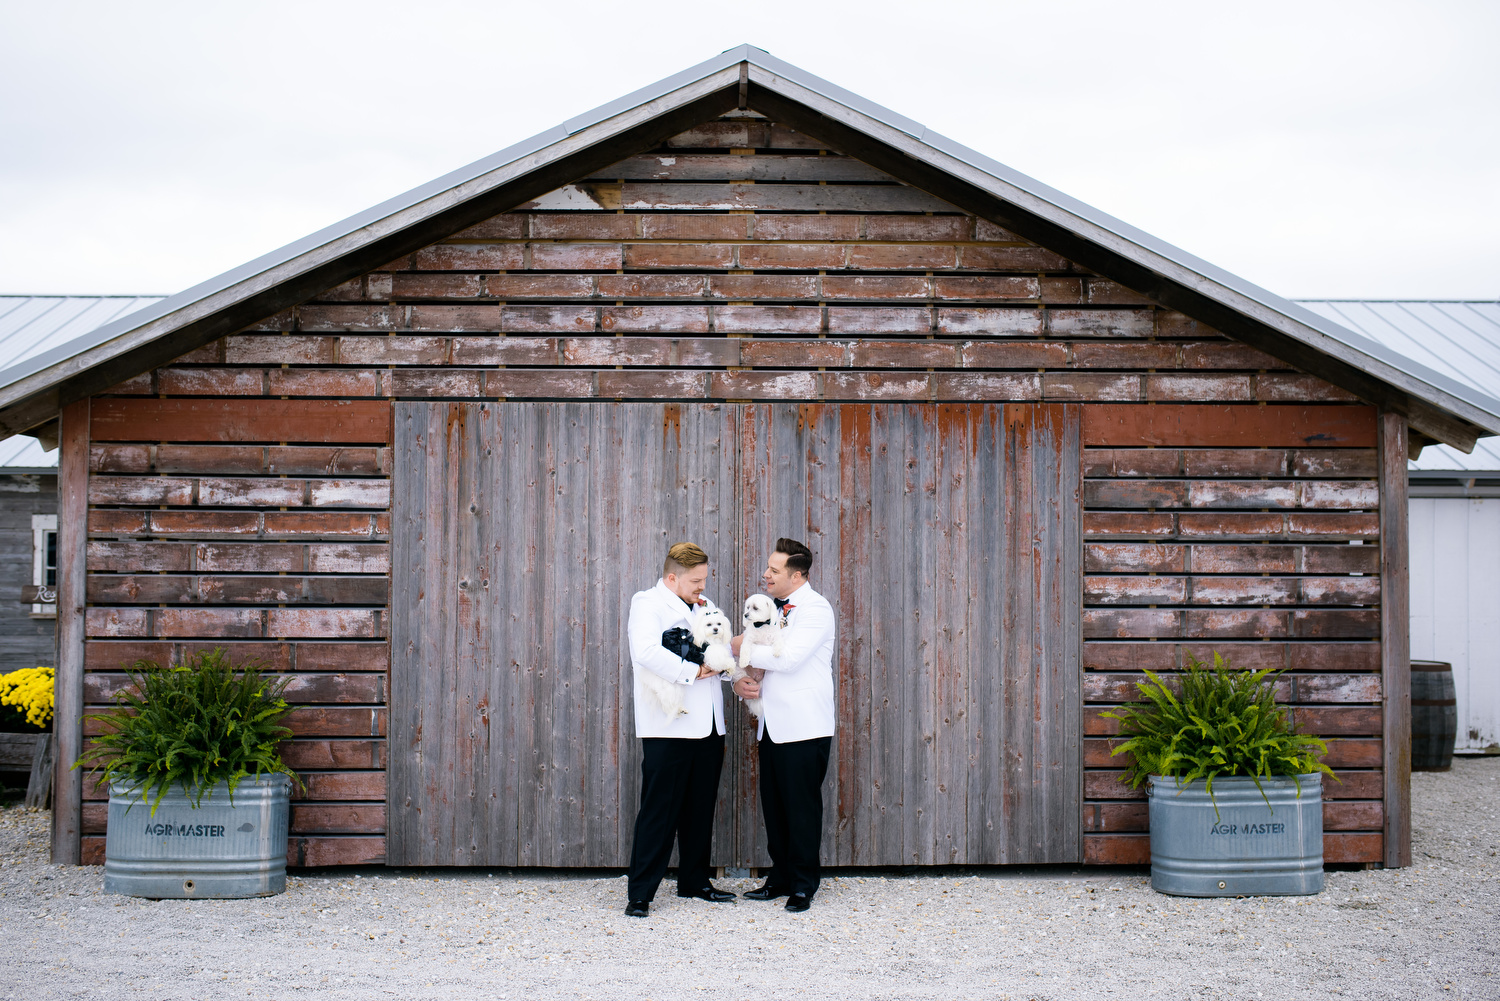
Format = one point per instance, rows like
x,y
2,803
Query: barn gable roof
x,y
1437,407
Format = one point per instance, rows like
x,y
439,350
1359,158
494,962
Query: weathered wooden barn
x,y
421,459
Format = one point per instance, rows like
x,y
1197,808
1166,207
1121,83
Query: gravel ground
x,y
1426,931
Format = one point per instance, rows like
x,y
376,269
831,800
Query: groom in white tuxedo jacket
x,y
796,726
681,757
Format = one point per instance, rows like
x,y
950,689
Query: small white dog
x,y
762,624
711,631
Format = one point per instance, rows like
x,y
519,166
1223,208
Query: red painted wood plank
x,y
1229,426
227,420
334,850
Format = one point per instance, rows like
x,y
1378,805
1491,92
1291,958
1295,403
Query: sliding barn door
x,y
522,531
948,543
948,538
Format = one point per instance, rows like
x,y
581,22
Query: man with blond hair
x,y
681,756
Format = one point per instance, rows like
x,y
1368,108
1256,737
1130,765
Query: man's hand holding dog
x,y
748,687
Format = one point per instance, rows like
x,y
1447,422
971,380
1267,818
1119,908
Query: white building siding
x,y
1455,606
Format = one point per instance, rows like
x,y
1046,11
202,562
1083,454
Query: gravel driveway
x,y
1427,931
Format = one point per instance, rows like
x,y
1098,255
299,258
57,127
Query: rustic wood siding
x,y
517,551
240,495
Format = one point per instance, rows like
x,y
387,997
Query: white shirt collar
x,y
796,596
661,585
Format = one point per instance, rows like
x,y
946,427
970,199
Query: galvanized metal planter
x,y
213,850
1248,848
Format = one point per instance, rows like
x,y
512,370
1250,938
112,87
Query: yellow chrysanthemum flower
x,y
29,690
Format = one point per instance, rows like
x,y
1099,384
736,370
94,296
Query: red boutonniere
x,y
785,611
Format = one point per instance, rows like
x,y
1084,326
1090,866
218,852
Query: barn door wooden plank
x,y
917,608
854,776
1045,719
1017,614
753,476
607,661
467,689
710,519
569,613
984,499
1059,451
887,631
511,718
525,562
420,522
950,658
818,449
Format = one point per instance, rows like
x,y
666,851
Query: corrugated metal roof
x,y
31,324
22,454
1459,338
23,385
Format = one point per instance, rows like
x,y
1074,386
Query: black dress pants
x,y
679,787
791,797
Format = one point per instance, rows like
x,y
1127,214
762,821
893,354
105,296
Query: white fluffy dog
x,y
762,624
711,631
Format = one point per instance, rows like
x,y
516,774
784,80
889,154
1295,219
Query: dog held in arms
x,y
762,628
710,638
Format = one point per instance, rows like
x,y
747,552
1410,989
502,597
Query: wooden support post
x,y
1395,639
72,565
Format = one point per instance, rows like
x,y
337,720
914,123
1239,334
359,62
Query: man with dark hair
x,y
796,725
681,756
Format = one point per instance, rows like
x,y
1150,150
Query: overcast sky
x,y
1318,149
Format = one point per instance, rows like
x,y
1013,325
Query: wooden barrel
x,y
1434,716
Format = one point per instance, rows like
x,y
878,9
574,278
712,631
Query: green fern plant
x,y
1225,722
193,725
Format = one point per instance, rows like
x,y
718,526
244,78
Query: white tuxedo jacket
x,y
652,613
796,694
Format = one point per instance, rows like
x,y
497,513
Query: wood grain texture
x,y
230,420
72,569
1395,625
531,764
1205,425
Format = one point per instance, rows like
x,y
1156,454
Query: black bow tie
x,y
780,603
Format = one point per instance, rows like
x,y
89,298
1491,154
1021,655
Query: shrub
x,y
1225,722
192,725
26,696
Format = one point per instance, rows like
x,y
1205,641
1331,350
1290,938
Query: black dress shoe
x,y
637,908
798,902
766,892
711,893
